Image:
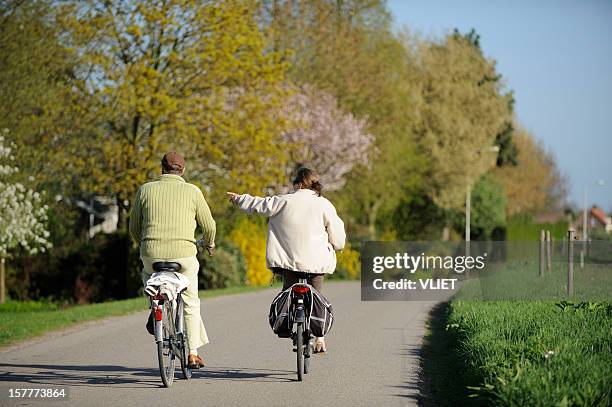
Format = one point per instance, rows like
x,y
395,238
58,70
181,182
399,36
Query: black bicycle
x,y
169,328
300,315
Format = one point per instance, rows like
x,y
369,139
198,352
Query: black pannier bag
x,y
279,317
321,314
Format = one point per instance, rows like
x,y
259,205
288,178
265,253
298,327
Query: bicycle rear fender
x,y
300,315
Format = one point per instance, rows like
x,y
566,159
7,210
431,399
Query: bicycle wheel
x,y
300,351
183,342
307,353
165,354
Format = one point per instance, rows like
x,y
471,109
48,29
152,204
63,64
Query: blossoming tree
x,y
330,140
23,217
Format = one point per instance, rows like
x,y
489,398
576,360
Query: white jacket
x,y
303,232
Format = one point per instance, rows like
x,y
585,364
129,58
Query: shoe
x,y
319,346
195,362
151,324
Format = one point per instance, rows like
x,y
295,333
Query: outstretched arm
x,y
268,206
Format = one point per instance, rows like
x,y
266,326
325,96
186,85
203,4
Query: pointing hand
x,y
233,197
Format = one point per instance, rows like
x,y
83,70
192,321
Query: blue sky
x,y
557,57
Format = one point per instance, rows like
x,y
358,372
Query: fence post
x,y
548,252
542,253
570,262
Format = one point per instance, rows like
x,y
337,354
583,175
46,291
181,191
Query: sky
x,y
556,55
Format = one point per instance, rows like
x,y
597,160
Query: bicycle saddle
x,y
166,266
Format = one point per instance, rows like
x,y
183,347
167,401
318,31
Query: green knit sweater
x,y
165,215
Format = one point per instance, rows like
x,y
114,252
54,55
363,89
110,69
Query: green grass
x,y
532,346
515,353
24,320
520,280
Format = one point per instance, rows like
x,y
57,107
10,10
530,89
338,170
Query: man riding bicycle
x,y
163,222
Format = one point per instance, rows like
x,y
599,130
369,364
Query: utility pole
x,y
468,210
584,216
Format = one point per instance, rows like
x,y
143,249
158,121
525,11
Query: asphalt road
x,y
372,359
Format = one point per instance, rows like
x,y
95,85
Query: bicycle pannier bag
x,y
321,314
279,317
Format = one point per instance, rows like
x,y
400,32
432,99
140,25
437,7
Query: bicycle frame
x,y
301,332
177,317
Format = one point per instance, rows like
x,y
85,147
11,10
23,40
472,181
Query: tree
x,y
535,183
324,133
508,151
464,109
36,76
488,208
348,50
22,216
181,74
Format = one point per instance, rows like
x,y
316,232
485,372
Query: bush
x,y
249,237
226,268
348,265
100,269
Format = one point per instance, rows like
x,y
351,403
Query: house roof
x,y
600,215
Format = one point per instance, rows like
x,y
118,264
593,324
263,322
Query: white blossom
x,y
23,217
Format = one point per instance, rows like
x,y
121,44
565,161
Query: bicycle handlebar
x,y
209,249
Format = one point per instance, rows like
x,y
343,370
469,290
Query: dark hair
x,y
171,169
308,179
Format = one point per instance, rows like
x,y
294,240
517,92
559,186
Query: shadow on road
x,y
127,377
246,374
441,379
413,384
80,375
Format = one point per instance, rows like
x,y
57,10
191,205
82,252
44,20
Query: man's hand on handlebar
x,y
209,248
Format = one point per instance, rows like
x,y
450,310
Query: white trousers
x,y
196,333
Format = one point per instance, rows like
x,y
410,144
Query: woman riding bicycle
x,y
303,232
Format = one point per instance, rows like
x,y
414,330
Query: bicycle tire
x,y
307,356
184,342
300,351
165,354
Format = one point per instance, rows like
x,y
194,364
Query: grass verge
x,y
25,320
516,353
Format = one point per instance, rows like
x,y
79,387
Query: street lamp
x,y
468,202
600,183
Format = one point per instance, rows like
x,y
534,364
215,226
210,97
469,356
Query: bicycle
x,y
169,328
300,314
